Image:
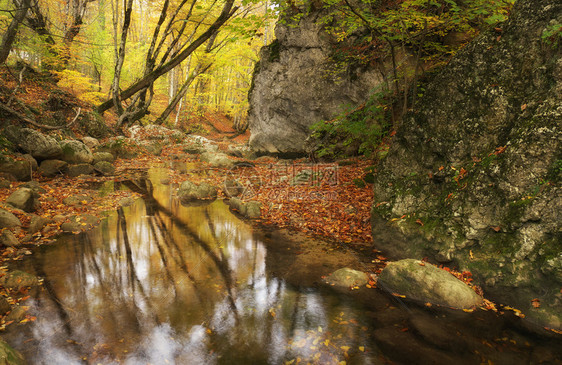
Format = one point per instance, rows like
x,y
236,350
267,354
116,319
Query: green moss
x,y
274,50
67,150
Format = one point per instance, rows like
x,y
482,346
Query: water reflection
x,y
162,283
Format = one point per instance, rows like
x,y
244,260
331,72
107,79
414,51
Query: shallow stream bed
x,y
162,283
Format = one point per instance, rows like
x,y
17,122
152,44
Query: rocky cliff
x,y
473,176
295,85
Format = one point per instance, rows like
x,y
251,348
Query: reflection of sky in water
x,y
154,295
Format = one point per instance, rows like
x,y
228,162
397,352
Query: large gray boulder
x,y
295,86
76,152
38,145
473,176
8,220
427,283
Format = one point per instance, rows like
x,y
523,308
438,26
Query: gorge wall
x,y
295,85
473,176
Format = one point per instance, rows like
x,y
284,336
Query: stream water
x,y
162,283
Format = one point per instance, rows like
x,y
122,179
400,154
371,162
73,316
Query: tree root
x,y
22,117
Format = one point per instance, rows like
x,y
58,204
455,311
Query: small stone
x,y
37,223
17,314
8,239
347,278
105,168
103,156
5,307
253,209
24,199
51,168
81,169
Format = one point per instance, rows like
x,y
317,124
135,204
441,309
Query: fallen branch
x,y
34,123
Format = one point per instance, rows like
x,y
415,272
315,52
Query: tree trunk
x,y
116,100
10,35
198,70
227,11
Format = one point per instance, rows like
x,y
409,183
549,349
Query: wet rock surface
x,y
427,283
473,176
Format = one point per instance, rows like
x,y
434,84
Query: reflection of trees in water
x,y
112,299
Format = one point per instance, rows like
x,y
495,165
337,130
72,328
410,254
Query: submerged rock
x,y
9,356
347,278
189,191
79,223
251,209
17,280
473,176
427,283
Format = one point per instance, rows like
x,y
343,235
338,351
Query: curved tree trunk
x,y
10,36
227,11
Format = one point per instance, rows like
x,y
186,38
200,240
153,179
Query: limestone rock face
x,y
295,86
473,177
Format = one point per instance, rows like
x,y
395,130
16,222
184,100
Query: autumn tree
x,y
9,36
169,47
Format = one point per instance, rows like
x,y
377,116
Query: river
x,y
158,282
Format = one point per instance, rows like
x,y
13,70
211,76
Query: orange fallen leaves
x,y
536,303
